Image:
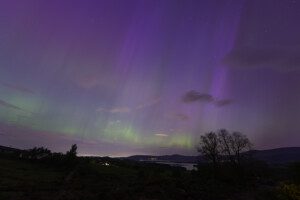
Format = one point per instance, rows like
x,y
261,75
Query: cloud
x,y
16,87
89,75
101,110
287,59
193,96
181,116
148,104
161,135
115,110
223,102
178,117
126,109
88,82
120,110
8,105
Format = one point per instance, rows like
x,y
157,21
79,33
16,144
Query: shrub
x,y
289,192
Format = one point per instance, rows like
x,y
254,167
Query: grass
x,y
89,179
20,179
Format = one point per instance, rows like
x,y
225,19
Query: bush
x,y
294,170
289,192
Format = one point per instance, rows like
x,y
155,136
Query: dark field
x,y
106,178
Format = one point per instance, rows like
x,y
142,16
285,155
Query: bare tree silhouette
x,y
209,147
223,145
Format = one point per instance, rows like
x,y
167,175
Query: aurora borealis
x,y
148,77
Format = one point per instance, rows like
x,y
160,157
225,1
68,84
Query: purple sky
x,y
148,76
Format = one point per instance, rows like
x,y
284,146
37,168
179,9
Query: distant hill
x,y
170,158
272,156
278,156
4,149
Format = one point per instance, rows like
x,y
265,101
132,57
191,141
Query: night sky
x,y
123,77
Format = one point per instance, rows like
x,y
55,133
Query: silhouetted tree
x,y
38,153
209,147
72,152
232,145
239,144
225,145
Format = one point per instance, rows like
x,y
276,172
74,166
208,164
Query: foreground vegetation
x,y
58,176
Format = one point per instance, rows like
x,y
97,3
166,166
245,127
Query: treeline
x,y
223,146
37,153
229,173
231,169
43,155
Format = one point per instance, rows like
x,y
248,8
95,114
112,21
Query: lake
x,y
188,166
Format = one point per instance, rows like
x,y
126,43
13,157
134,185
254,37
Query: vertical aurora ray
x,y
219,82
111,75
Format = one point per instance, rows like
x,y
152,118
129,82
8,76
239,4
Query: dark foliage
x,y
62,176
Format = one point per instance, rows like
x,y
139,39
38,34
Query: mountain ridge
x,y
272,156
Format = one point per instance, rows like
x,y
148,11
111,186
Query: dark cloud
x,y
287,60
149,103
177,116
16,87
8,105
267,39
192,96
182,117
223,102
